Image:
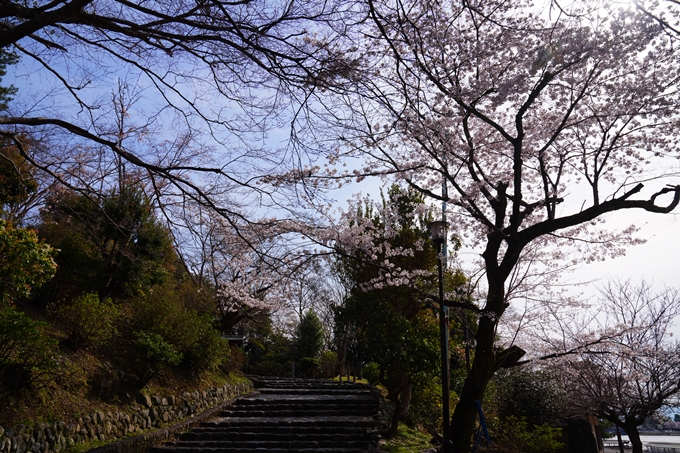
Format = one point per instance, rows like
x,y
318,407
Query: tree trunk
x,y
465,413
402,402
405,397
484,363
394,425
634,437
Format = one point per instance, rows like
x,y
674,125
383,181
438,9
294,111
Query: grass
x,y
407,440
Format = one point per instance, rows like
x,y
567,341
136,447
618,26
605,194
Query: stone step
x,y
292,400
310,402
289,416
271,413
289,421
284,430
316,391
170,449
253,444
204,436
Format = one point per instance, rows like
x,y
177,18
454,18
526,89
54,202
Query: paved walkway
x,y
290,416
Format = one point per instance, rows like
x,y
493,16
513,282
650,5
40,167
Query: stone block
x,y
145,400
20,445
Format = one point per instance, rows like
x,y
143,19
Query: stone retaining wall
x,y
152,413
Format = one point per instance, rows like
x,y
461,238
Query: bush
x,y
89,322
28,357
25,262
164,312
371,372
514,435
426,404
235,360
158,355
328,363
208,350
309,367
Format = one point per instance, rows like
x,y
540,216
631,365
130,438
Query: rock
x,y
144,399
20,445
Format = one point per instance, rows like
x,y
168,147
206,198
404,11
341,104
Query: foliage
x,y
158,354
28,357
208,351
309,366
385,310
371,372
515,435
114,246
426,404
18,181
166,312
89,322
269,352
537,396
308,336
328,362
6,58
25,262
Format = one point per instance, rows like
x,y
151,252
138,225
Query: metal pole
x,y
447,446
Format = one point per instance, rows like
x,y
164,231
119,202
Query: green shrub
x,y
235,360
309,366
514,435
158,354
28,357
426,404
89,322
186,330
25,262
371,372
208,350
328,363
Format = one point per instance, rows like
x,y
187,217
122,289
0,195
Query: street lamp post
x,y
438,235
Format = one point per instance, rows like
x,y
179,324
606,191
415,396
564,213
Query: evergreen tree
x,y
309,336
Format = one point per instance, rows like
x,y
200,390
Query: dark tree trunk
x,y
402,402
465,413
634,437
394,424
405,397
486,359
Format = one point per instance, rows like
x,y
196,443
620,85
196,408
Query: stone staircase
x,y
291,415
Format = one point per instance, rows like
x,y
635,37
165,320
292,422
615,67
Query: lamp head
x,y
438,232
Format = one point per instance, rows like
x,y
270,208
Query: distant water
x,y
665,438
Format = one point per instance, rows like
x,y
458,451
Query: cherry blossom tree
x,y
630,376
540,121
246,266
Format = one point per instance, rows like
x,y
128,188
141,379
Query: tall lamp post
x,y
438,235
